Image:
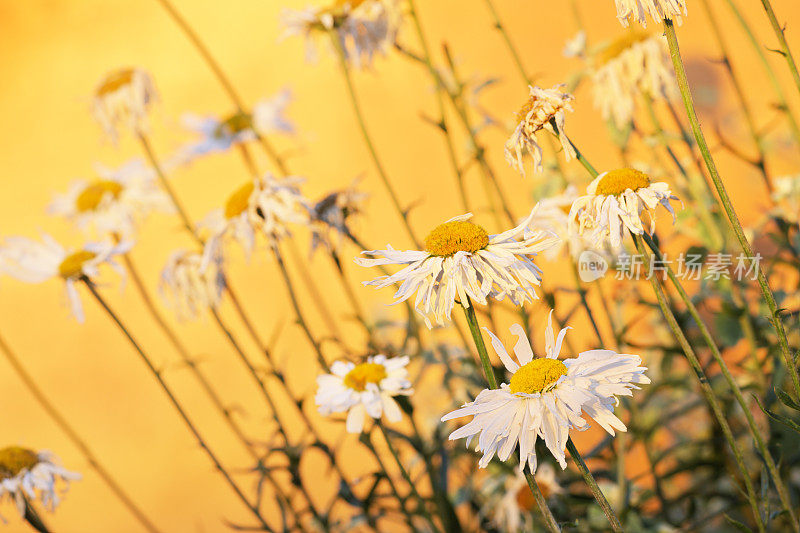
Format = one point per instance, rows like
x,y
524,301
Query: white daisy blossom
x,y
190,284
329,216
115,202
658,10
512,513
364,28
786,193
461,260
362,390
35,262
576,46
545,398
220,134
264,206
122,98
614,204
25,474
633,65
543,108
552,216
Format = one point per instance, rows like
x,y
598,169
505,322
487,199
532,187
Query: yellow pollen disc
x,y
72,266
525,109
234,124
90,197
457,236
15,459
364,373
537,376
613,50
618,181
115,80
239,201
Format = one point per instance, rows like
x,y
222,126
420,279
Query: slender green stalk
x,y
705,386
725,200
761,444
254,510
549,519
779,33
72,435
392,485
351,90
475,329
593,486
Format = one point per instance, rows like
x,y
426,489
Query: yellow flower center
x,y
72,265
15,459
364,373
618,181
236,123
525,109
613,50
457,236
537,376
115,80
90,197
239,200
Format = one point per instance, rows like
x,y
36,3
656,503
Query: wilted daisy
x,y
219,134
264,206
114,202
786,195
546,397
122,98
461,260
363,27
35,262
515,508
329,216
365,389
614,204
191,282
543,108
552,215
576,46
635,64
26,474
658,10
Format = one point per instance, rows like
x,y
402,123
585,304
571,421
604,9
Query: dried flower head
x,y
122,99
330,215
26,474
658,10
191,283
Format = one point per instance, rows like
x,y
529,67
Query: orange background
x,y
53,55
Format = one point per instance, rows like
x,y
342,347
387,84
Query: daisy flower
x,y
362,390
364,28
615,202
329,216
636,64
26,474
219,134
575,46
115,202
552,216
786,194
461,260
264,205
658,10
122,98
545,398
35,262
543,108
515,508
190,282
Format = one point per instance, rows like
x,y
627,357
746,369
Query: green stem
x,y
61,422
725,200
549,519
705,386
779,33
594,487
32,517
477,337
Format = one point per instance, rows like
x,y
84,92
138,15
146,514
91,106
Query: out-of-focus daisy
x,y
191,283
26,474
264,206
576,46
543,108
219,134
363,27
545,398
614,203
35,262
329,216
786,195
365,389
635,64
552,215
515,508
658,10
122,99
461,260
115,202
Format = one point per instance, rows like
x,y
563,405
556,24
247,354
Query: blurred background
x,y
54,54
